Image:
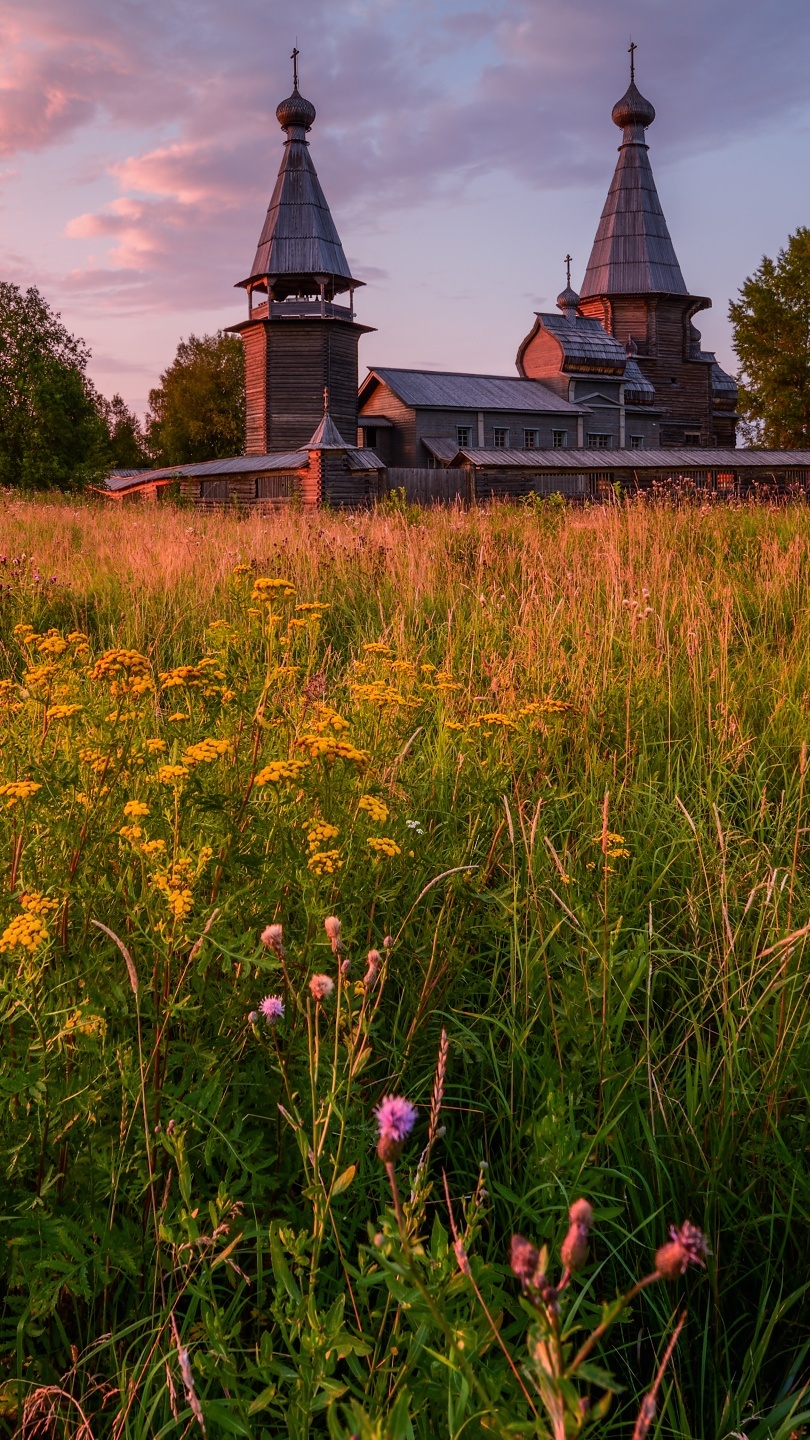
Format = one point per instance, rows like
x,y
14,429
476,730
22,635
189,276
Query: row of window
x,y
531,439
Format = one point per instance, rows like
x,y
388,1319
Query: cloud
x,y
416,100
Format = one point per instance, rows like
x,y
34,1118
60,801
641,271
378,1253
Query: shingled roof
x,y
633,253
449,390
299,240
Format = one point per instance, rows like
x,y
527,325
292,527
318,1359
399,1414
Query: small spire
x,y
294,57
632,53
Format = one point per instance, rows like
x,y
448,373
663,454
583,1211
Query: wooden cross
x,y
326,399
632,53
568,260
294,57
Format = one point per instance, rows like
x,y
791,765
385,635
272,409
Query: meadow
x,y
543,775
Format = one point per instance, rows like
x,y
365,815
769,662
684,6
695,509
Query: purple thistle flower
x,y
272,1008
396,1118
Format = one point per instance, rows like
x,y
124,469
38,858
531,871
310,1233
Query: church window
x,y
500,438
559,439
636,442
531,439
370,436
597,441
464,436
690,438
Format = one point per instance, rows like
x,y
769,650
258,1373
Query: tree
x,y
198,411
126,444
51,430
771,323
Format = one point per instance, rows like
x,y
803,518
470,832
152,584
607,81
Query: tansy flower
x,y
382,845
279,770
376,809
170,774
136,809
19,790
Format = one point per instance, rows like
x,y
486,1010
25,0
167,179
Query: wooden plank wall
x,y
429,487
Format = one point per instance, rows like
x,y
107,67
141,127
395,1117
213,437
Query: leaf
x,y
595,1375
130,963
281,1269
262,1400
344,1181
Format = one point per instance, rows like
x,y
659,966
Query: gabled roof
x,y
633,253
451,390
299,237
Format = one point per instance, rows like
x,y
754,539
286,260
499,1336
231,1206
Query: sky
x,y
464,147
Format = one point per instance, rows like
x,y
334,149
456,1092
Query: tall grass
x,y
618,958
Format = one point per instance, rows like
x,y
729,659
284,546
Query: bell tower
x,y
298,337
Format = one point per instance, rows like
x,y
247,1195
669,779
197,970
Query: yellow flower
x,y
119,662
19,790
375,647
39,675
136,809
170,774
179,715
267,589
62,712
238,572
374,808
153,847
331,749
155,746
25,932
546,707
325,862
204,750
452,725
495,718
320,832
52,644
37,904
378,693
382,845
78,637
328,719
314,608
279,770
227,696
131,833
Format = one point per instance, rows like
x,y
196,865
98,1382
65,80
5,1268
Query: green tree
x,y
198,410
126,445
771,322
51,430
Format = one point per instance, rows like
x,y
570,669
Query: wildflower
x,y
267,589
153,847
37,904
374,808
328,719
382,845
204,750
279,770
24,932
373,962
331,748
272,1008
179,716
271,938
415,826
155,746
453,725
374,647
136,809
321,987
574,1249
325,862
314,607
131,833
170,774
19,790
388,942
496,719
524,1260
396,1118
686,1246
118,662
332,927
62,712
320,832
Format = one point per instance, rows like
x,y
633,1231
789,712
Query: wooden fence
x,y
429,487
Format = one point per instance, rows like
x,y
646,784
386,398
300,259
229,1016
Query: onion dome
x,y
567,301
631,348
295,110
632,109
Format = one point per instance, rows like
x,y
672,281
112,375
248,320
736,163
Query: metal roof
x,y
442,449
448,390
327,436
585,342
637,388
633,253
299,237
674,460
231,465
375,422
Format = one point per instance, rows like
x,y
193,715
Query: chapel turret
x,y
298,336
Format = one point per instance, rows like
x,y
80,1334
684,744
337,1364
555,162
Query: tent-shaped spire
x,y
299,251
633,253
327,436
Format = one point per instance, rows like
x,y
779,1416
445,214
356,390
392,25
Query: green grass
x,y
627,1017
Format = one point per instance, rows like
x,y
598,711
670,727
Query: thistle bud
x,y
686,1246
524,1258
574,1249
372,968
271,939
388,942
345,968
332,927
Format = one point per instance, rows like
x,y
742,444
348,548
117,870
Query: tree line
x,y
57,430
